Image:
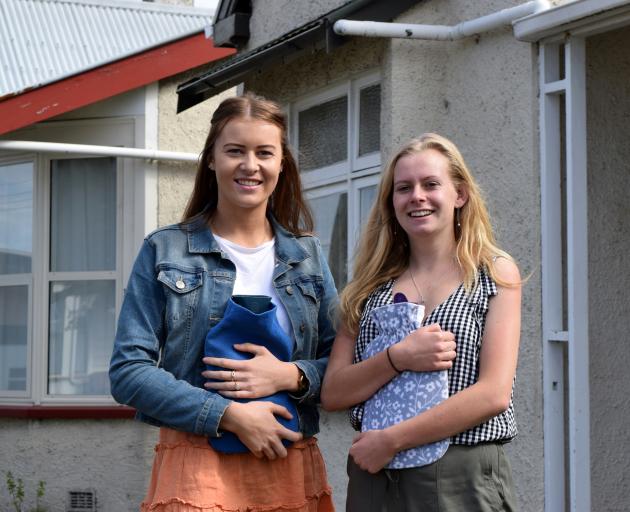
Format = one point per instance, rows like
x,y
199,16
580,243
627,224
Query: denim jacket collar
x,y
201,240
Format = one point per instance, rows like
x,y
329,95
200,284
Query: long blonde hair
x,y
383,251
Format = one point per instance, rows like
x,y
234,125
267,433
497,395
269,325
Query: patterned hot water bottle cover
x,y
408,394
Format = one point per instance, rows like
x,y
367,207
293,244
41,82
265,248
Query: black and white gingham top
x,y
464,315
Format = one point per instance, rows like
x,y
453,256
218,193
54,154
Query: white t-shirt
x,y
254,274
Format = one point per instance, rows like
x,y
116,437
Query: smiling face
x,y
247,159
424,195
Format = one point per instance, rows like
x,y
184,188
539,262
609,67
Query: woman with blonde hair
x,y
429,238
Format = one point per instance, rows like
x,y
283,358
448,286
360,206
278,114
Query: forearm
x,y
158,394
460,412
352,384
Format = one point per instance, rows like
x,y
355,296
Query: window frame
x,y
353,173
131,223
24,279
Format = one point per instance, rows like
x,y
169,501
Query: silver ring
x,y
233,375
236,386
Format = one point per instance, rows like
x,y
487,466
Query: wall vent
x,y
83,500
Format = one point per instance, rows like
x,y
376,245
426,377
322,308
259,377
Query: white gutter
x,y
83,149
439,32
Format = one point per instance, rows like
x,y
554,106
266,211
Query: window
x,y
336,133
16,254
63,256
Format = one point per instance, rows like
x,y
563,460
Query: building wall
x,y
272,19
180,132
608,114
111,457
481,94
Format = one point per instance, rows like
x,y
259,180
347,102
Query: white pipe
x,y
84,149
439,32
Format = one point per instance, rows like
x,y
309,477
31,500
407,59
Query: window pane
x,y
82,321
13,337
370,120
367,196
16,218
323,134
331,226
83,215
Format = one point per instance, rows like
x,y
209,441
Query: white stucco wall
x,y
110,457
180,132
272,19
608,114
480,93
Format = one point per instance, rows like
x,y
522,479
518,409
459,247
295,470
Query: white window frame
x,y
369,160
350,175
355,223
573,87
131,225
24,280
339,171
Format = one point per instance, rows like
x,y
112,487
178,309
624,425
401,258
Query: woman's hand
x,y
372,450
426,349
255,424
261,376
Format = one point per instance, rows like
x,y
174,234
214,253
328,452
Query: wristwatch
x,y
302,383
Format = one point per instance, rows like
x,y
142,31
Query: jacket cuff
x,y
210,415
312,378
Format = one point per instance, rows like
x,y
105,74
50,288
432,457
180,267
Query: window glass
x,y
330,214
81,337
83,215
367,196
370,119
16,218
323,134
13,337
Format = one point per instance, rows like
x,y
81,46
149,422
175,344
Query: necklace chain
x,y
415,286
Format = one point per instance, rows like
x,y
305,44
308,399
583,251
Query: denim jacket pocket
x,y
179,280
182,286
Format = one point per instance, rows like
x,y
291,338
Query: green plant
x,y
16,491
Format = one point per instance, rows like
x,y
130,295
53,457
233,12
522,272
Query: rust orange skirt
x,y
189,476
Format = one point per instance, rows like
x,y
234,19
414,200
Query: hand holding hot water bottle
x,y
250,318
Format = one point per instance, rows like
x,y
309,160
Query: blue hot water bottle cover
x,y
250,319
408,394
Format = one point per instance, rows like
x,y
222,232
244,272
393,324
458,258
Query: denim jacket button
x,y
290,290
180,284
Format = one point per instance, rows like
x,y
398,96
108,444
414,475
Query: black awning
x,y
315,34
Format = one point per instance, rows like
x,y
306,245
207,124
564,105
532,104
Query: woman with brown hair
x,y
245,232
429,239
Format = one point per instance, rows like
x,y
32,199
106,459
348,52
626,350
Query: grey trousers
x,y
466,479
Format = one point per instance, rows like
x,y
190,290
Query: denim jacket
x,y
178,289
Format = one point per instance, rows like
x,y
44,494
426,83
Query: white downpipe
x,y
439,32
84,149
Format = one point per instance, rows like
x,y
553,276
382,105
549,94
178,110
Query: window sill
x,y
67,412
